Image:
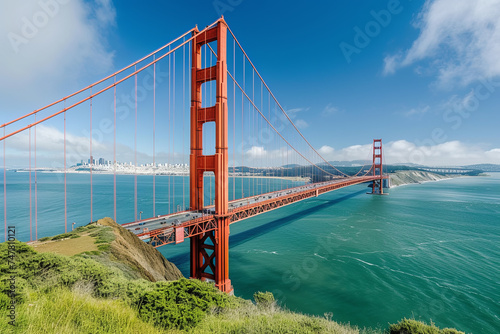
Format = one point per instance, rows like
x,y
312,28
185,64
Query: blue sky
x,y
422,75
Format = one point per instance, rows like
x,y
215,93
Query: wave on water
x,y
355,258
261,251
363,253
338,237
316,254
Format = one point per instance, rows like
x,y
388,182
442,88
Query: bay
x,y
429,251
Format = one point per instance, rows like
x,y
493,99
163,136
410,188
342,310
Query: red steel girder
x,y
206,224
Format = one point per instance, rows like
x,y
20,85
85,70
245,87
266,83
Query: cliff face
x,y
413,176
148,261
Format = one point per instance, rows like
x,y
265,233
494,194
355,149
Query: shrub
x,y
45,239
104,247
62,236
180,304
104,235
265,299
411,326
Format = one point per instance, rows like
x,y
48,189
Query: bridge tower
x,y
210,251
378,184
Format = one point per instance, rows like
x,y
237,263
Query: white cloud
x,y
259,156
48,45
50,147
494,155
326,150
301,124
329,110
461,39
292,113
256,152
402,151
355,152
391,64
417,111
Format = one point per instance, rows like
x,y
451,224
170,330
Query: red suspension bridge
x,y
148,123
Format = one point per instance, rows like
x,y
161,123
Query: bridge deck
x,y
174,228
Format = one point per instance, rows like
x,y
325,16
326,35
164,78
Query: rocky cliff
x,y
414,176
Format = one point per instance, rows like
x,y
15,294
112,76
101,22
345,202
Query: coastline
x,y
402,178
157,173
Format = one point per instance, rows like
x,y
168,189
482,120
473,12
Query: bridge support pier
x,y
378,184
210,256
210,250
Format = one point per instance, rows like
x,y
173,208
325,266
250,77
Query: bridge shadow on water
x,y
242,237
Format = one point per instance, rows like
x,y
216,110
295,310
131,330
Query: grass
x,y
93,293
66,311
92,240
249,318
104,236
69,246
411,326
62,236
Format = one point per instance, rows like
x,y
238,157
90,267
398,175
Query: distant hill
x,y
352,163
484,167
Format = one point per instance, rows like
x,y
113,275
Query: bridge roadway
x,y
174,228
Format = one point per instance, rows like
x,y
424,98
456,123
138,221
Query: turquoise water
x,y
171,193
429,251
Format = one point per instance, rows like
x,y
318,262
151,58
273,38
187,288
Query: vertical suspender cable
x,y
4,190
253,125
189,76
65,184
173,129
114,151
269,129
31,207
91,161
234,121
260,132
183,116
154,137
36,192
135,151
168,131
285,158
242,128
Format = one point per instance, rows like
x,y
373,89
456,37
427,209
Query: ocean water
x,y
428,251
46,215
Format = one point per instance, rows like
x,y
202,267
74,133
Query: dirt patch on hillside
x,y
68,247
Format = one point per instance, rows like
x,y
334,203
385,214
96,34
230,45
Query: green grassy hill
x,y
102,279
